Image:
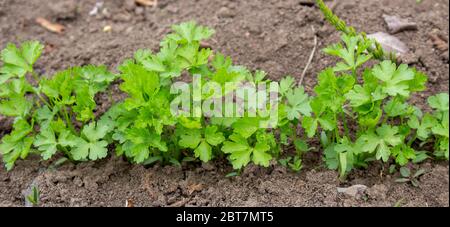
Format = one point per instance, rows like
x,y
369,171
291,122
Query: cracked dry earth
x,y
272,35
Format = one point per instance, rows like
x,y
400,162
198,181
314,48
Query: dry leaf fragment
x,y
129,203
194,188
439,42
390,43
147,2
53,27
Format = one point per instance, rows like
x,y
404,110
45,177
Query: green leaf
x,y
31,51
19,61
301,146
190,138
397,107
331,157
381,141
241,153
46,143
353,53
424,127
93,150
93,146
240,158
203,152
15,106
396,80
97,78
331,90
419,81
403,154
358,96
298,103
310,126
139,84
246,127
67,139
190,32
405,172
237,144
260,155
17,144
212,136
142,143
286,85
439,102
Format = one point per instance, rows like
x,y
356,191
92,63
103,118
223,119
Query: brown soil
x,y
272,35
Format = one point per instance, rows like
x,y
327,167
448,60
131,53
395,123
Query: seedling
x,y
58,113
408,177
33,198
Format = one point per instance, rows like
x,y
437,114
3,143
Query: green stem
x,y
69,121
331,136
344,120
35,76
340,25
110,95
411,141
44,101
354,74
336,129
385,119
38,93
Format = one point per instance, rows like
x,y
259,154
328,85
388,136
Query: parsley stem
x,y
354,74
412,140
68,121
344,121
44,101
336,129
35,76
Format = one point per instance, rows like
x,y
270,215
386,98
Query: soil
x,y
275,36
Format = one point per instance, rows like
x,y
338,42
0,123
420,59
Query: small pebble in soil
x,y
353,191
224,12
139,10
396,24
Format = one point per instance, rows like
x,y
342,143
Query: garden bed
x,y
275,36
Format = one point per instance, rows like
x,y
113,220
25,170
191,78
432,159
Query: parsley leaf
x,y
17,143
381,141
395,80
241,153
298,103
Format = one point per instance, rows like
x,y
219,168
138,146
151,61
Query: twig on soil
x,y
311,56
53,27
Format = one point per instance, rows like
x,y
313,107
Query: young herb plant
x,y
47,110
358,113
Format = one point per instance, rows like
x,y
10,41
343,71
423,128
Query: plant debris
x,y
147,2
390,43
53,27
